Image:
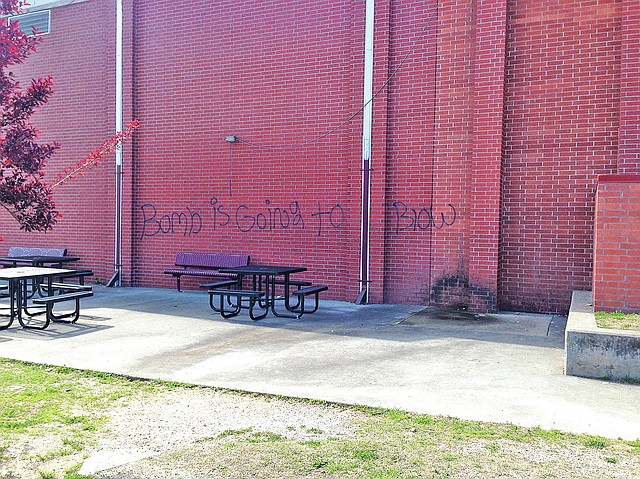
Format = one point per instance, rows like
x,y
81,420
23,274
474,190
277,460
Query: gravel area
x,y
151,426
180,418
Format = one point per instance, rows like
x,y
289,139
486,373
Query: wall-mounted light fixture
x,y
231,139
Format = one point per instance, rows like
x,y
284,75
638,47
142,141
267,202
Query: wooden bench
x,y
226,295
205,265
49,301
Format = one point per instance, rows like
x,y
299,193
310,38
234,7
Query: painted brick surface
x,y
279,76
492,122
629,137
410,138
561,126
486,160
616,270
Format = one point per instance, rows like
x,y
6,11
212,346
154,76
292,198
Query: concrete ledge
x,y
593,352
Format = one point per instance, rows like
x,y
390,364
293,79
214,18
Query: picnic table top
x,y
26,272
264,269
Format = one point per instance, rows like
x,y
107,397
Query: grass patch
x,y
265,436
595,442
67,404
33,396
618,320
234,432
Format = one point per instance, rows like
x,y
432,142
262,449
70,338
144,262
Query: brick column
x,y
488,99
616,262
629,134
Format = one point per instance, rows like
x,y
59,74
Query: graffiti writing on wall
x,y
421,218
243,218
271,217
186,222
246,219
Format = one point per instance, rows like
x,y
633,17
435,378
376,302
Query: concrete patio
x,y
505,367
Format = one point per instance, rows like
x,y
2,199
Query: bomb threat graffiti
x,y
281,217
185,222
246,219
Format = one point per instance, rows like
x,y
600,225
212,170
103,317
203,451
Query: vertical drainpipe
x,y
117,276
366,153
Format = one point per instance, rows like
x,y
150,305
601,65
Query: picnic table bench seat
x,y
226,296
301,293
226,283
80,274
293,282
205,265
67,295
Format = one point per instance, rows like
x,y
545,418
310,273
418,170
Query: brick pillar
x,y
488,99
616,255
629,134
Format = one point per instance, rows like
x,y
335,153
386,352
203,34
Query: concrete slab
x,y
594,352
508,368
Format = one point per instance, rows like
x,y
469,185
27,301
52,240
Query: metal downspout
x,y
117,276
366,153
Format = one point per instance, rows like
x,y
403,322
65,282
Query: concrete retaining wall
x,y
594,352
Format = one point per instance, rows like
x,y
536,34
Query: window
x,y
40,20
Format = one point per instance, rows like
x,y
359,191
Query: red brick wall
x,y
279,75
488,139
410,137
616,268
560,132
629,136
488,105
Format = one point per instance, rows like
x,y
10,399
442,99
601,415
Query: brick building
x,y
490,125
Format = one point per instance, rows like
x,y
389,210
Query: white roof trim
x,y
55,3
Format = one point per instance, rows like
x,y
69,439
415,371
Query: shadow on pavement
x,y
403,323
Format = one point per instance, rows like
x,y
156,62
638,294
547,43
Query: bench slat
x,y
197,272
311,290
292,282
237,293
30,251
211,260
219,284
76,273
63,297
70,286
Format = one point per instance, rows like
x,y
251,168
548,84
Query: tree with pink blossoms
x,y
22,190
22,159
